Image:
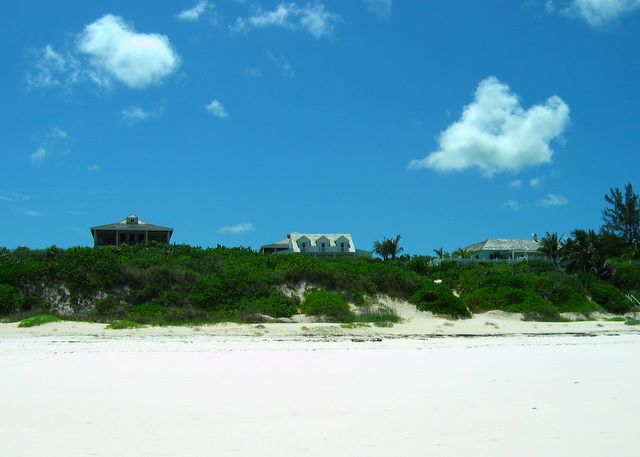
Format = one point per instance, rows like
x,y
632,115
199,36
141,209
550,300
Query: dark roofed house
x,y
131,230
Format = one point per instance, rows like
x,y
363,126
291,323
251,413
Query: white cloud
x,y
93,168
554,200
313,17
512,204
52,68
595,12
56,141
217,109
281,63
381,8
32,213
517,184
254,72
194,13
38,156
496,134
133,114
117,51
14,196
239,228
535,182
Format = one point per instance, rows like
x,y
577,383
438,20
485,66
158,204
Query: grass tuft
x,y
120,325
38,320
631,321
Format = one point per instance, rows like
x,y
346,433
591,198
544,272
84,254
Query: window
x,y
342,247
322,246
303,246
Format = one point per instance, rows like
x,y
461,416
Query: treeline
x,y
176,283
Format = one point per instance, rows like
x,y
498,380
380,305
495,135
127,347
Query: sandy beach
x,y
77,389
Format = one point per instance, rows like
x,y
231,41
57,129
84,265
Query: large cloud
x,y
117,51
598,12
496,134
313,17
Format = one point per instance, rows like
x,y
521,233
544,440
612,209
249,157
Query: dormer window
x,y
342,247
303,246
322,246
132,220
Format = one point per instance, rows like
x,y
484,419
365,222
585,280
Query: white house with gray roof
x,y
316,244
505,248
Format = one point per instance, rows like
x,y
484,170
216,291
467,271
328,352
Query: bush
x,y
439,300
608,296
10,300
120,325
149,313
329,305
273,305
38,320
377,315
108,307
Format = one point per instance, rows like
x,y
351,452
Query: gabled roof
x,y
505,244
314,237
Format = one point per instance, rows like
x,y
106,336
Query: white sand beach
x,y
76,389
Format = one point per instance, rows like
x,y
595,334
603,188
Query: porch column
x,y
146,237
117,238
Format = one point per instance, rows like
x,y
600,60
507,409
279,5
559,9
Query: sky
x,y
236,122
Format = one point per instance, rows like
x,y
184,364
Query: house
x,y
317,245
130,230
505,248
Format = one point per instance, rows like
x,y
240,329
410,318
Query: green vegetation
x,y
38,320
178,284
121,325
632,322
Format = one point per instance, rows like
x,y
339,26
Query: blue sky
x,y
236,122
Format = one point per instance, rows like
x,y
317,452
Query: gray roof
x,y
505,244
140,226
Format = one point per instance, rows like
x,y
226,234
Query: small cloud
x,y
554,200
14,197
38,156
253,72
313,18
93,168
517,184
239,228
56,141
380,8
32,213
512,204
281,63
52,68
535,182
133,114
596,13
217,109
496,134
194,13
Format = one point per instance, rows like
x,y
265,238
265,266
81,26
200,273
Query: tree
x,y
583,252
623,217
551,247
462,253
441,253
388,247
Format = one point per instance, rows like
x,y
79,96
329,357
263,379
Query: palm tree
x,y
581,250
388,247
441,253
394,247
551,247
462,253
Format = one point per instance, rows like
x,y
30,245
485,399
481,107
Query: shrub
x,y
38,320
608,296
107,307
329,305
120,325
380,314
149,313
9,299
273,305
439,300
